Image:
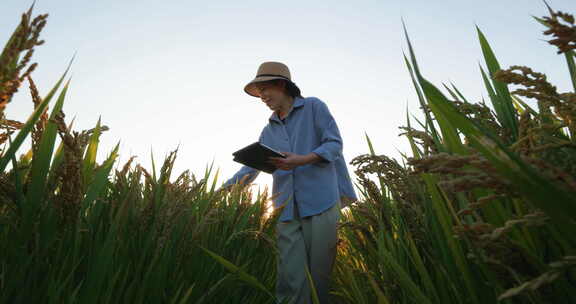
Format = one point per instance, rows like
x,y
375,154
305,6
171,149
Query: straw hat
x,y
268,71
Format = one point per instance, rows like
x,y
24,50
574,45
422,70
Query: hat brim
x,y
250,88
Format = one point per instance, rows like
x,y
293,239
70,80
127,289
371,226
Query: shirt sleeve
x,y
330,148
246,172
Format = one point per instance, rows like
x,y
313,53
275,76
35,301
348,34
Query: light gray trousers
x,y
306,242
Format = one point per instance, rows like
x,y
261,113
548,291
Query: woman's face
x,y
272,94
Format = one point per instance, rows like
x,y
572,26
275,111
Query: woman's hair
x,y
291,88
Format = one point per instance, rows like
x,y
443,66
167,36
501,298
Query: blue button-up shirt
x,y
309,127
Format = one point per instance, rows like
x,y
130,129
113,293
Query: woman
x,y
310,184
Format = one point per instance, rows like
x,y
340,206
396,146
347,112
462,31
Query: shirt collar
x,y
298,102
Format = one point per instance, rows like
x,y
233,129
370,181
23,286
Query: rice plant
x,y
78,231
484,209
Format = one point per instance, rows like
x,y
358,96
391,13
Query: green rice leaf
x,y
450,135
524,106
458,92
89,161
491,93
452,93
507,115
415,150
313,290
382,299
251,280
370,146
570,55
100,179
396,269
429,121
42,158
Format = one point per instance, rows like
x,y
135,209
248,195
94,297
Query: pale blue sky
x,y
168,73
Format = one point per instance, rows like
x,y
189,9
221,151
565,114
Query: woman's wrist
x,y
311,158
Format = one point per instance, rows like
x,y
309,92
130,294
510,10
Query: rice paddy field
x,y
481,210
